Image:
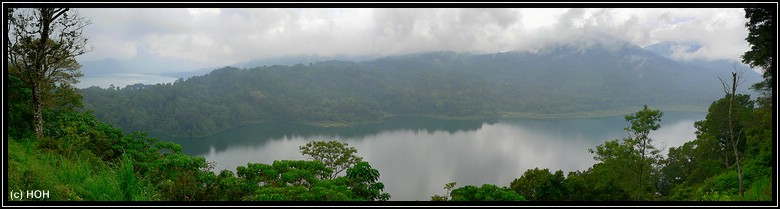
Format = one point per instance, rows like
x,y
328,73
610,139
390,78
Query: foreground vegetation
x,y
81,158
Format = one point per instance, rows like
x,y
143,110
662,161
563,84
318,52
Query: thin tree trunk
x,y
641,170
731,134
739,173
726,154
37,115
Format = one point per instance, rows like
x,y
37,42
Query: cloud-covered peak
x,y
223,36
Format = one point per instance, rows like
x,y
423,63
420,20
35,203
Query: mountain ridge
x,y
560,80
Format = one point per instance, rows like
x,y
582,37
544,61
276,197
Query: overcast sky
x,y
224,36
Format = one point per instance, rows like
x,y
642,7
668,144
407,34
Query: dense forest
x,y
53,144
563,80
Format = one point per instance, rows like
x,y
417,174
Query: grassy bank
x,y
78,176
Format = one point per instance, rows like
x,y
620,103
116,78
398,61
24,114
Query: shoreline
x,y
501,115
597,113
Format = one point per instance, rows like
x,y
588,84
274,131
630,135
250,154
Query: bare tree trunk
x,y
731,133
37,115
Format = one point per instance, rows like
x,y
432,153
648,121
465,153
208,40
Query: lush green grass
x,y
77,177
760,190
30,169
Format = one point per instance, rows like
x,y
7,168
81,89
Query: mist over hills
x,y
560,79
675,51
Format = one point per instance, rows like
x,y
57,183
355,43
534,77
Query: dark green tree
x,y
642,123
614,177
715,126
364,182
42,44
635,156
762,38
487,192
540,185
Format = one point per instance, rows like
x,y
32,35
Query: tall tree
x,y
42,44
631,160
762,38
642,123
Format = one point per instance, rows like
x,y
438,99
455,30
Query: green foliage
x,y
227,187
487,192
79,131
713,195
180,177
336,155
760,190
715,125
576,189
438,198
448,187
299,180
540,185
704,169
644,121
19,109
605,182
762,39
42,45
66,178
629,164
128,182
364,182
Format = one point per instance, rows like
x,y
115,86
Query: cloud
x,y
229,35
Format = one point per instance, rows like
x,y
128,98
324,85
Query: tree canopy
x,y
42,44
762,27
336,155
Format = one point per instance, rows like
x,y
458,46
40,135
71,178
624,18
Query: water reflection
x,y
260,134
417,156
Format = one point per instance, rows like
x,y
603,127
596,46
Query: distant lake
x,y
417,156
122,80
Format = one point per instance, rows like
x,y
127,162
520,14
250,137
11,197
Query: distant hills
x,y
564,80
150,70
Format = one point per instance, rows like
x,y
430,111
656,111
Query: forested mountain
x,y
567,78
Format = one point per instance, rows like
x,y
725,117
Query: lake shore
x,y
596,113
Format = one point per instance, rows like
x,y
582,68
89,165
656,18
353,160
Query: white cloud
x,y
228,35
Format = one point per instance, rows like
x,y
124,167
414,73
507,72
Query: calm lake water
x,y
417,156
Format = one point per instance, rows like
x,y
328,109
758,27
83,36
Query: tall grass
x,y
73,176
760,189
128,183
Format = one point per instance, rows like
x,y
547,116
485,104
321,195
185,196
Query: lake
x,y
417,156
